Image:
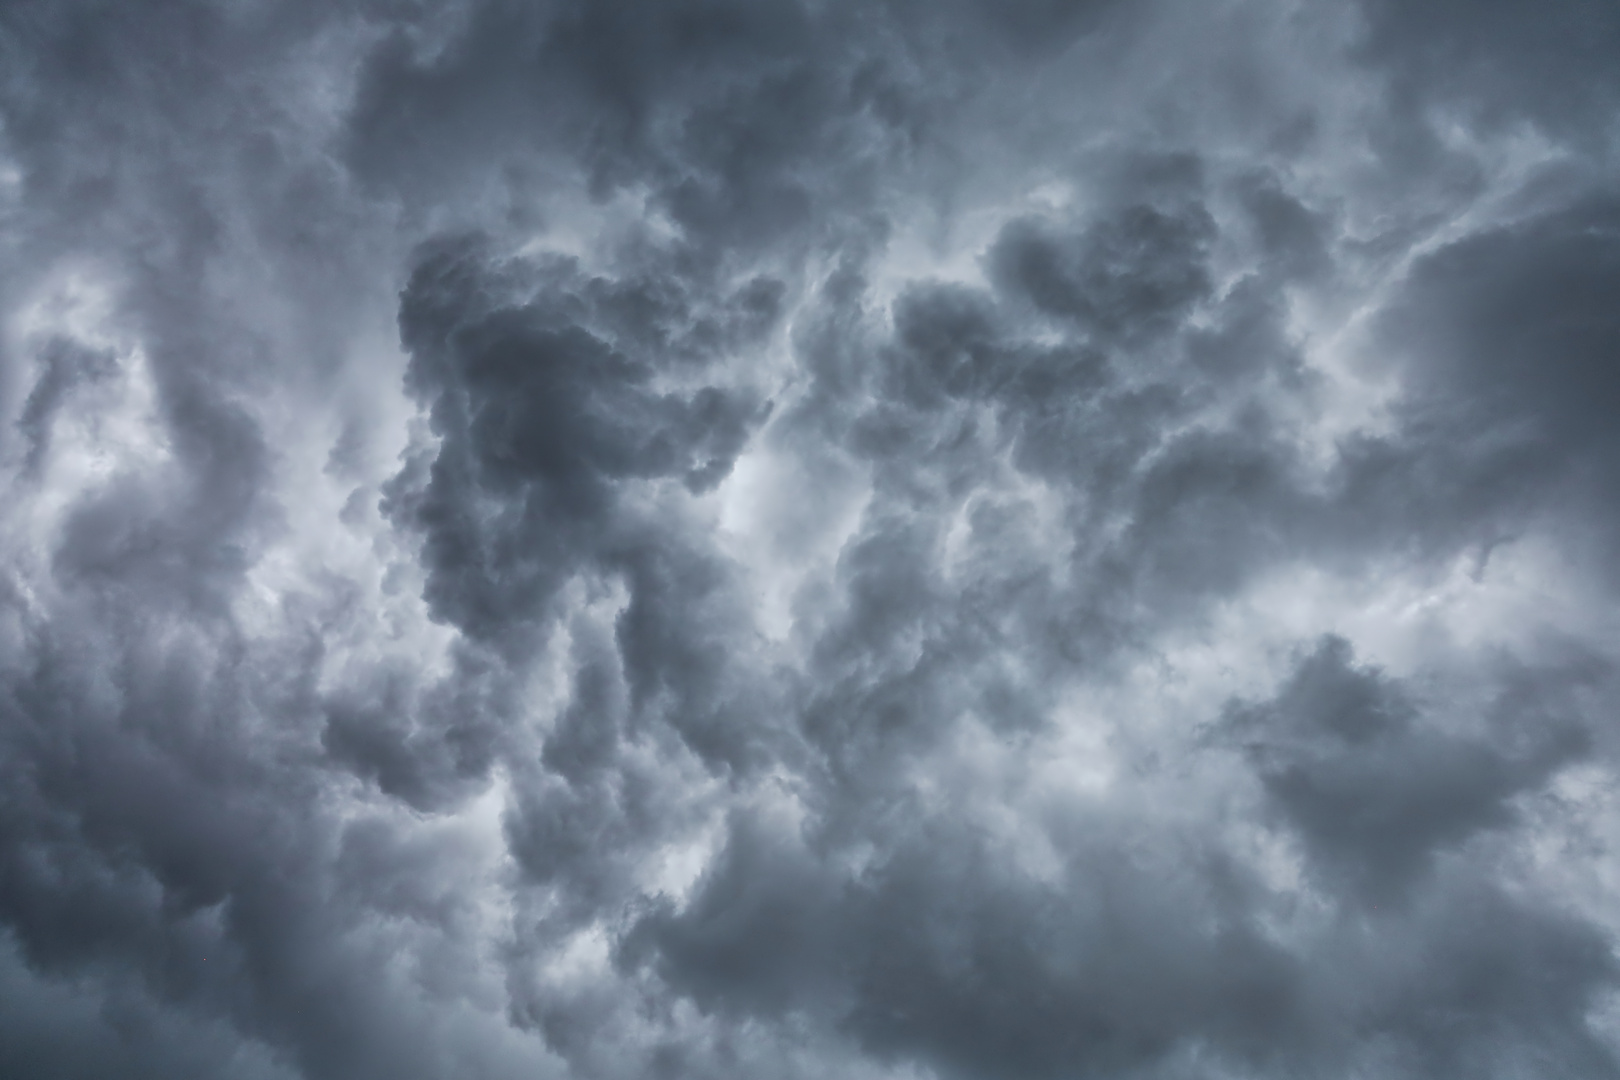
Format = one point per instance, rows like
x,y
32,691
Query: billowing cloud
x,y
620,539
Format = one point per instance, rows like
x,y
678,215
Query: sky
x,y
876,539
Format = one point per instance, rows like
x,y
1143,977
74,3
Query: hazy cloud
x,y
1040,539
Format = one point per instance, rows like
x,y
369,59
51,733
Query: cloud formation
x,y
710,539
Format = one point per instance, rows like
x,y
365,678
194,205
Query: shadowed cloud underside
x,y
620,539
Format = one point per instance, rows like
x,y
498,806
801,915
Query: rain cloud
x,y
618,540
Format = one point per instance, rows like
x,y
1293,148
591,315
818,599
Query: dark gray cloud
x,y
1373,791
1040,539
546,408
1501,62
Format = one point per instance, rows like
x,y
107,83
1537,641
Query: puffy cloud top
x,y
623,539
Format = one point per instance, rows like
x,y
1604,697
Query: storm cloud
x,y
623,539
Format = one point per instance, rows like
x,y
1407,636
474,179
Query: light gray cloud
x,y
710,539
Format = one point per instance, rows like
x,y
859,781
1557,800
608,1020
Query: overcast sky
x,y
797,539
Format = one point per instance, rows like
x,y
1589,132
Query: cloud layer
x,y
616,539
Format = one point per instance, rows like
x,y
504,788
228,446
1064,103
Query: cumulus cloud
x,y
619,539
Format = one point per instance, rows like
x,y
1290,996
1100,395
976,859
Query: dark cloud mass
x,y
622,539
